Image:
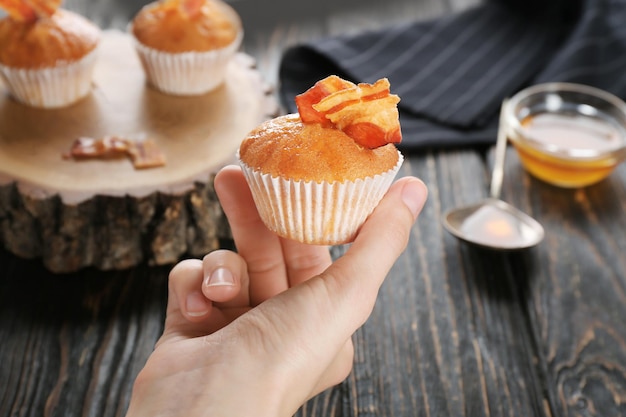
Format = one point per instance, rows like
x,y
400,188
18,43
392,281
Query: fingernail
x,y
219,278
196,304
413,196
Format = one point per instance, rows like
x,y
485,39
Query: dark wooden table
x,y
457,331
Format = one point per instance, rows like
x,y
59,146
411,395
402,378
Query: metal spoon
x,y
494,223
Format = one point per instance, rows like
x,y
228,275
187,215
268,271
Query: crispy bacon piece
x,y
144,153
354,94
29,10
313,95
372,123
18,10
368,113
44,8
107,147
190,8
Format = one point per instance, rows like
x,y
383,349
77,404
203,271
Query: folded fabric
x,y
452,73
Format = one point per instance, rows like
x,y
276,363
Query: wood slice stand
x,y
106,213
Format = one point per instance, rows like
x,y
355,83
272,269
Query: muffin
x,y
316,176
186,45
47,55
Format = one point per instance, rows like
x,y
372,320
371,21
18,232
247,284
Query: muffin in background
x,y
186,45
47,54
316,176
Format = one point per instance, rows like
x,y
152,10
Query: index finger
x,y
380,241
274,263
259,246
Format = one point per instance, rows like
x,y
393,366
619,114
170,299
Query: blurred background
x,y
271,25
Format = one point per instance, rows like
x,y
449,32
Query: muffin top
x,y
64,36
286,147
184,26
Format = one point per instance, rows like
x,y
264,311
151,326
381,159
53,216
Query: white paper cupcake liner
x,y
186,73
317,213
51,87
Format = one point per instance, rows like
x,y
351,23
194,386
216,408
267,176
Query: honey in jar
x,y
569,149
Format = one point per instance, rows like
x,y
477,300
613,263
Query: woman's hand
x,y
260,331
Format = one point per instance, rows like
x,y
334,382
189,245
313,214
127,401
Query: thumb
x,y
359,273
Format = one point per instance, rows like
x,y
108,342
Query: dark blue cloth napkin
x,y
452,73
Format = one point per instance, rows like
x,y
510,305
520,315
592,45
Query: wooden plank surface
x,y
457,331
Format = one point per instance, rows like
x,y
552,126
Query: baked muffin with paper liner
x,y
185,45
317,175
47,54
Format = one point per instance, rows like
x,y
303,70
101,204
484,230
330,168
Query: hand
x,y
260,331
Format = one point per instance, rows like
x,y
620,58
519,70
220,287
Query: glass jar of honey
x,y
569,135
